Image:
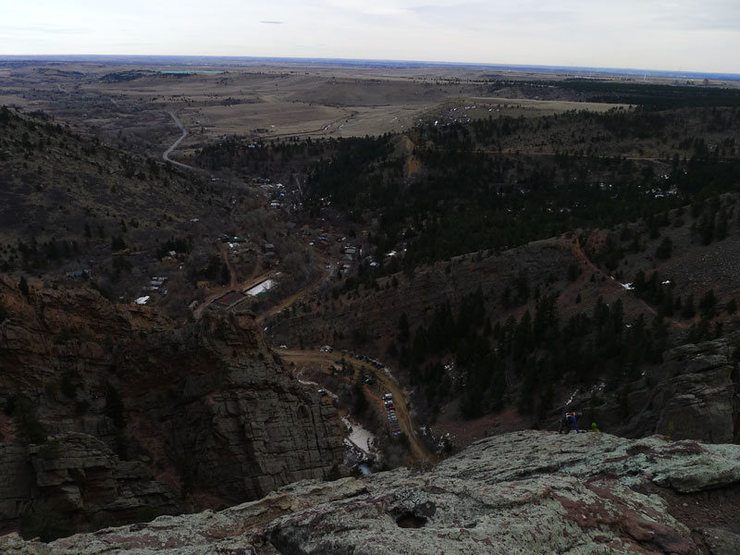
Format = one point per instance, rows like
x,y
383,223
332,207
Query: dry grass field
x,y
129,103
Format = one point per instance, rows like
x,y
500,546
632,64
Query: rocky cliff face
x,y
74,481
693,394
702,395
526,492
112,411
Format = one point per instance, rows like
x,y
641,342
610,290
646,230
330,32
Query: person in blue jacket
x,y
569,422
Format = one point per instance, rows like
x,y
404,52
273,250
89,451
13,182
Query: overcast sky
x,y
686,35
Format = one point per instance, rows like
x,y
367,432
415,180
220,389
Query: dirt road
x,y
233,280
166,155
290,301
384,384
580,254
298,295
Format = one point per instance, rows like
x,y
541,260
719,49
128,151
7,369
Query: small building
x,y
261,288
229,300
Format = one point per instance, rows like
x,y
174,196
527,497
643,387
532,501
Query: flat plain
x,y
130,102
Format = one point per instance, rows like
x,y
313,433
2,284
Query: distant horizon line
x,y
162,59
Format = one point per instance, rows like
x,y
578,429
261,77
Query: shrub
x,y
50,450
665,249
68,386
43,522
707,304
688,310
23,286
334,474
28,426
114,406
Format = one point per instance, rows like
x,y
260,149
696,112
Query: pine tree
x,y
731,307
665,249
403,328
688,310
707,304
23,286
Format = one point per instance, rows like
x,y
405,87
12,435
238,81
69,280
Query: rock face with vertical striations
x,y
525,492
700,400
693,394
112,411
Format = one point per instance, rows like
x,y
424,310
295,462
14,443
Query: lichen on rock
x,y
525,492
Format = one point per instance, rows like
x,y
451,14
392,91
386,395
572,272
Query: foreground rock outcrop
x,y
74,482
112,413
525,492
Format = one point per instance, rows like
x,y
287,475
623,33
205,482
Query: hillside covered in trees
x,y
644,192
447,188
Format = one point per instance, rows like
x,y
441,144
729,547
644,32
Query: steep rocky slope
x,y
526,492
419,293
113,413
693,394
74,208
56,181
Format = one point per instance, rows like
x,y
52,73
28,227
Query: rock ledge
x,y
526,492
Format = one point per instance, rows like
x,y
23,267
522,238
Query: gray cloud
x,y
657,34
487,18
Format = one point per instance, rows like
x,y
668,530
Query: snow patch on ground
x,y
361,438
304,382
307,382
572,396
